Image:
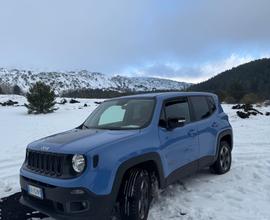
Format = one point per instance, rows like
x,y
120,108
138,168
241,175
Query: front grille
x,y
45,163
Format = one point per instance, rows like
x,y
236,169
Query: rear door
x,y
180,145
204,111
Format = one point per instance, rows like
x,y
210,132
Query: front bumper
x,y
64,203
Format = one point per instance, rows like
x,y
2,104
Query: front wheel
x,y
136,195
224,160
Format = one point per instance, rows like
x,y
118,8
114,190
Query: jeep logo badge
x,y
45,148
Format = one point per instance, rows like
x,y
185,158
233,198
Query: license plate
x,y
35,191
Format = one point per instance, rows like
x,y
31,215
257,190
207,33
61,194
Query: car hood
x,y
80,141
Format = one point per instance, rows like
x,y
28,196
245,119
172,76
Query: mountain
x,y
251,79
63,81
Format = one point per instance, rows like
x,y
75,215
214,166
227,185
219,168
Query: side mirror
x,y
176,122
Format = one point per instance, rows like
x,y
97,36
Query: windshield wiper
x,y
85,126
102,128
109,128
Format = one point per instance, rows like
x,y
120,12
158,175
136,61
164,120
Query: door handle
x,y
192,133
214,125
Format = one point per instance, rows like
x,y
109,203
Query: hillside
x,y
253,77
63,81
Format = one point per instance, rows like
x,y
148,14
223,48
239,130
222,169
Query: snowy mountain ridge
x,y
72,80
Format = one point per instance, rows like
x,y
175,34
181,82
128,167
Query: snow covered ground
x,y
17,129
243,193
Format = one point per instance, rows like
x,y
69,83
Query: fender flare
x,y
220,136
126,165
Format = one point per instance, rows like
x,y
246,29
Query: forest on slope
x,y
249,82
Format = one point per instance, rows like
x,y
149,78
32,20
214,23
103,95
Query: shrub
x,y
250,98
5,89
41,99
230,100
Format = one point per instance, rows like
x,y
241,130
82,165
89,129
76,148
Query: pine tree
x,y
17,90
41,99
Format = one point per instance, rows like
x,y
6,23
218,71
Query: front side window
x,y
177,109
200,107
162,120
122,114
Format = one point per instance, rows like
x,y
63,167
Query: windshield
x,y
122,114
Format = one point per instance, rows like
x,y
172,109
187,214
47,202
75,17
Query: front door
x,y
180,145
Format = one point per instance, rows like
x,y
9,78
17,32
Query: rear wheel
x,y
224,160
136,195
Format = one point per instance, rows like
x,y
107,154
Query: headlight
x,y
78,163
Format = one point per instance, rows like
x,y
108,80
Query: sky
x,y
184,40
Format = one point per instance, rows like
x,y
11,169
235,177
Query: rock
x,y
73,101
252,113
62,102
9,103
247,110
254,110
266,103
85,105
238,106
242,114
267,113
247,107
98,103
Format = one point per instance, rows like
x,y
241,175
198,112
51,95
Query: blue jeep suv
x,y
110,166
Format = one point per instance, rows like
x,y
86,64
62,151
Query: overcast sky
x,y
187,40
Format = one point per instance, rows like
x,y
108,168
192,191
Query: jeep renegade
x,y
110,166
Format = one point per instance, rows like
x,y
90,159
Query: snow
x,y
63,81
17,129
243,193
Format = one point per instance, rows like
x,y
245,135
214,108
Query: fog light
x,y
78,206
84,204
77,192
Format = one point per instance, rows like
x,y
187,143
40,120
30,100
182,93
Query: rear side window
x,y
211,103
200,107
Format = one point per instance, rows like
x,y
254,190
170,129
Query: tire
x,y
135,195
223,163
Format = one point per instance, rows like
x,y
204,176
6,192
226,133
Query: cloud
x,y
183,38
195,73
220,66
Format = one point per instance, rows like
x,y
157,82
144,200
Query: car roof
x,y
167,95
